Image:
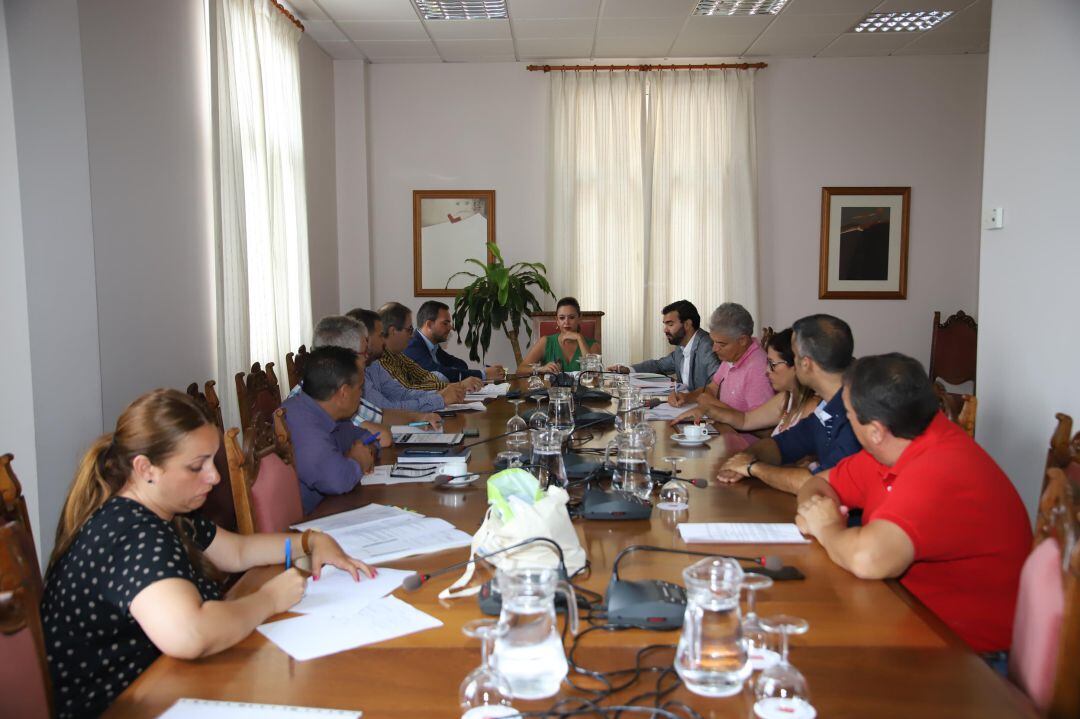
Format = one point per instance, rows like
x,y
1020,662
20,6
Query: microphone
x,y
416,580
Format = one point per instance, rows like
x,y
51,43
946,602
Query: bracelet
x,y
305,540
751,466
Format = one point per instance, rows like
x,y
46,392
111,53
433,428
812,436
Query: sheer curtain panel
x,y
597,202
264,307
703,223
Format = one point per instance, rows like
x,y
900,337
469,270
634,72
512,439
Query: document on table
x,y
665,411
491,391
381,475
466,406
336,592
317,635
368,513
209,709
741,533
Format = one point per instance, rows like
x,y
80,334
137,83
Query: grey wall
x,y
1028,339
351,149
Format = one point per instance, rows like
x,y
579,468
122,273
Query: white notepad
x,y
208,709
741,533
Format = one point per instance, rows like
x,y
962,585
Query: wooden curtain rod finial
x,y
648,68
292,18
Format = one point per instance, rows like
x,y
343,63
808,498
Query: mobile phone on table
x,y
470,432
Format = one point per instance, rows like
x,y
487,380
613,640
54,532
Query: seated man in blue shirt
x,y
823,347
433,327
332,453
380,388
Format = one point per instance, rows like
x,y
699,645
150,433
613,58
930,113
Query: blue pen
x,y
288,552
419,424
372,439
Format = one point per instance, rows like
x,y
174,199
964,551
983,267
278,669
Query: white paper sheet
x,y
368,513
493,390
209,709
665,411
335,592
466,406
317,635
381,475
393,539
741,533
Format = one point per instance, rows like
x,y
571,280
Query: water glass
x,y
485,692
781,689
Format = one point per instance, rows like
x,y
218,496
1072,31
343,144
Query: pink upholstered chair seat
x,y
1040,609
275,496
22,686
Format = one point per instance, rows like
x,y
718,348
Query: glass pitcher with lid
x,y
530,653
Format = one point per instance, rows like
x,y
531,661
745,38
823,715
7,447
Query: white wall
x,y
50,128
147,120
17,409
1028,339
317,98
351,150
889,121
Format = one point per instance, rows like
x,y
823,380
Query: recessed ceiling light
x,y
739,7
904,21
462,9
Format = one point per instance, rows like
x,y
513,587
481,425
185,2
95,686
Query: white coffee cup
x,y
695,431
455,469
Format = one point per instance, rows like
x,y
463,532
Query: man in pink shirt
x,y
741,382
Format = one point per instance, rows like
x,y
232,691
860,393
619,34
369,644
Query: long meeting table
x,y
872,650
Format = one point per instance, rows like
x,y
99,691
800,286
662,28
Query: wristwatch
x,y
750,466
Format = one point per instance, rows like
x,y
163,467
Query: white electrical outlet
x,y
993,218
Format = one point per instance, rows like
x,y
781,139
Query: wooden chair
x,y
257,395
959,408
262,475
1045,656
13,509
25,687
294,366
953,345
219,503
544,324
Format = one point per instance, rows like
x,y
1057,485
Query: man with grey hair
x,y
741,381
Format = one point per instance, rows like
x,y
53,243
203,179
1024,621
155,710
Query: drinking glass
x,y
517,428
485,692
781,689
562,414
757,639
539,420
535,380
674,495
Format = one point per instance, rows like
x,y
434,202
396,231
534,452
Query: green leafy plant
x,y
499,299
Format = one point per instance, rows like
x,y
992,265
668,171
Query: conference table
x,y
872,650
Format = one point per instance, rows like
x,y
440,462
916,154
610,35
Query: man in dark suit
x,y
433,328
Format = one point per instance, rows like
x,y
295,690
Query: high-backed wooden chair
x,y
218,507
13,509
1045,656
953,345
262,475
1064,452
25,688
257,395
959,408
294,366
544,324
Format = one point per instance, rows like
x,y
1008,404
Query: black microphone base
x,y
599,504
647,604
490,598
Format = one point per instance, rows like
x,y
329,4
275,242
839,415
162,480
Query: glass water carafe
x,y
547,463
629,408
630,464
530,654
711,658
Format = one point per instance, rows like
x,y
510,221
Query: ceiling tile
x,y
658,27
399,48
462,50
349,10
553,48
703,27
341,50
631,47
975,19
863,45
901,5
648,8
950,42
560,28
546,9
726,46
469,29
385,31
789,25
829,7
789,45
324,31
308,10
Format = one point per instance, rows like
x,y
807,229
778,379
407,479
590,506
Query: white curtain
x,y
597,202
703,225
264,308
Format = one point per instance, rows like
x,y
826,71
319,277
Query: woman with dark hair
x,y
562,351
131,575
791,403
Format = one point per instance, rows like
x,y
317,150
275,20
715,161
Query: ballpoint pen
x,y
288,552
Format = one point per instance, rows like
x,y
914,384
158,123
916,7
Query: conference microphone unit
x,y
416,580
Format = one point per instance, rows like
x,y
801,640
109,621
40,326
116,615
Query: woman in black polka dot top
x,y
128,579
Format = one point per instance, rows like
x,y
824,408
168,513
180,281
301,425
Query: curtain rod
x,y
286,13
647,68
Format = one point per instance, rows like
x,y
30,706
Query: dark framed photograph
x,y
449,227
864,243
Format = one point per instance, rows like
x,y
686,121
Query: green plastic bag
x,y
515,482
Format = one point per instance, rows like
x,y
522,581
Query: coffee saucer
x,y
685,441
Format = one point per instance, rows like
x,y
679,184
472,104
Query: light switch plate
x,y
993,218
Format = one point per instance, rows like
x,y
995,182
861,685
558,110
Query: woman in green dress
x,y
561,352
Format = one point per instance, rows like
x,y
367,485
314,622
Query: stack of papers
x,y
377,533
208,709
488,391
466,406
666,412
741,533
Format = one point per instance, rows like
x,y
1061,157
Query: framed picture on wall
x,y
449,227
864,243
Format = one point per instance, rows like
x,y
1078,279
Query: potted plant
x,y
499,299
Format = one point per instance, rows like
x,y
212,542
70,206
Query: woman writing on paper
x,y
131,576
562,351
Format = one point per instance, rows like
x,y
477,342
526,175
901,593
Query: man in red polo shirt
x,y
938,513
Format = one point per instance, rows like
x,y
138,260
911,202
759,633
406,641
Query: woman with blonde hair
x,y
130,577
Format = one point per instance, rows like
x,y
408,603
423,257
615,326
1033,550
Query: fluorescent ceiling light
x,y
462,9
739,7
902,21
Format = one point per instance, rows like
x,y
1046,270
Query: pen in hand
x,y
372,439
288,552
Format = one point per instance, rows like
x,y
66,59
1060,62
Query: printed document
x,y
742,533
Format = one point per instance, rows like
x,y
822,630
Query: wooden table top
x,y
872,650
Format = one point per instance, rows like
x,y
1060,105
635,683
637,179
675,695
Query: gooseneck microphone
x,y
416,580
